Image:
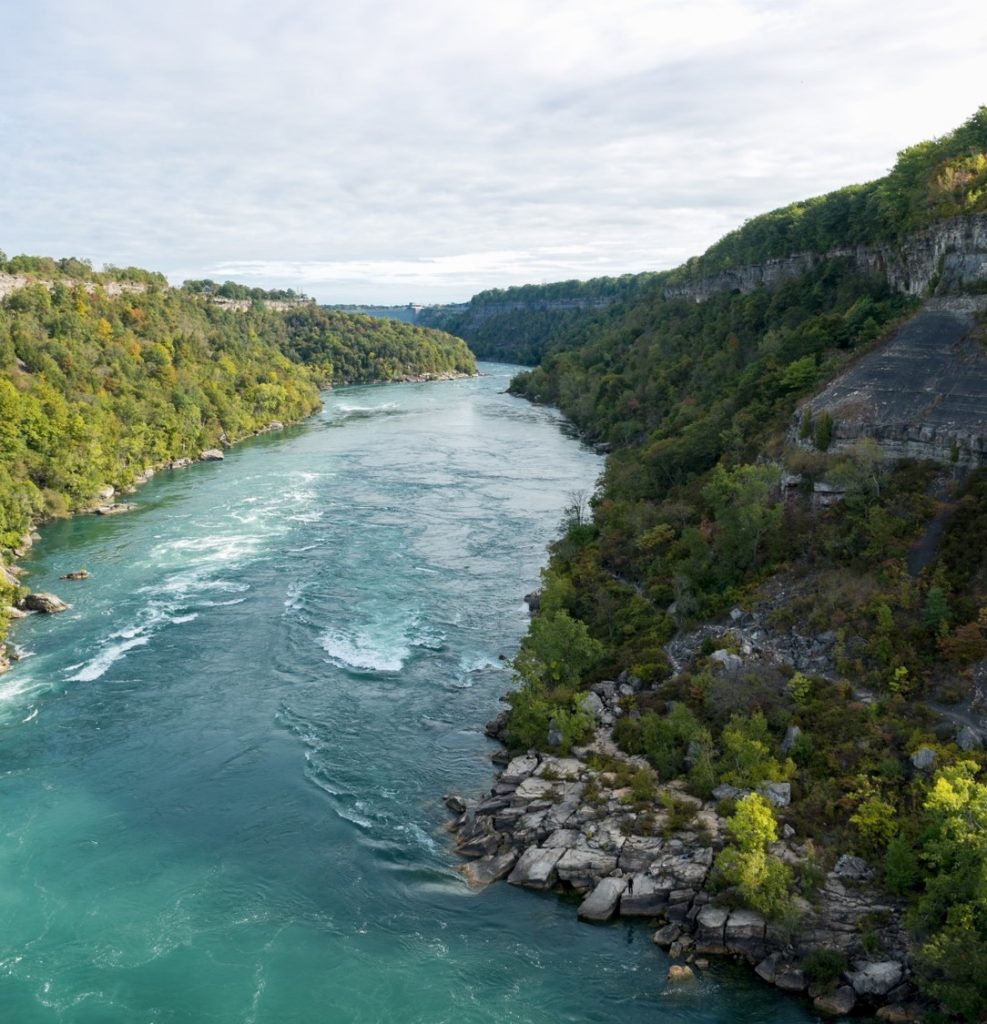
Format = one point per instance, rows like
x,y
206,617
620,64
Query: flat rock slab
x,y
601,903
642,898
489,869
566,768
582,868
519,769
535,868
534,789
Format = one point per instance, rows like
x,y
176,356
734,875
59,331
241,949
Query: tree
x,y
762,879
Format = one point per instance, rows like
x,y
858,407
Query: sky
x,y
379,151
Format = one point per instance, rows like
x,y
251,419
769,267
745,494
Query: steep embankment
x,y
794,701
922,395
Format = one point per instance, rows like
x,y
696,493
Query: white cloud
x,y
413,152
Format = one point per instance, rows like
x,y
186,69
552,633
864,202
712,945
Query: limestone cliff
x,y
948,257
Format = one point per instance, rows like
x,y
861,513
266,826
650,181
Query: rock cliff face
x,y
923,395
943,259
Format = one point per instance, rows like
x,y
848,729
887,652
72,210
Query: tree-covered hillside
x,y
930,181
350,347
871,574
106,374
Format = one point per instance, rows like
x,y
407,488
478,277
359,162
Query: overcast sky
x,y
387,151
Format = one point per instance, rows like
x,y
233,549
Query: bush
x,y
824,966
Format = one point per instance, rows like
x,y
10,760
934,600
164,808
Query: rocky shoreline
x,y
573,824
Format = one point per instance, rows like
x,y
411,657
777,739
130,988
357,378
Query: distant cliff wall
x,y
948,257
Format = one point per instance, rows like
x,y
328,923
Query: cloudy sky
x,y
388,151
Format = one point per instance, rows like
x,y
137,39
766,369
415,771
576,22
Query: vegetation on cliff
x,y
703,506
930,181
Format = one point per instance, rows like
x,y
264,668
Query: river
x,y
221,772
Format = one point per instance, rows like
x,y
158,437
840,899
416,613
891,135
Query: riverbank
x,y
583,824
12,574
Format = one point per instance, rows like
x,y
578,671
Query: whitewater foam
x,y
101,664
361,654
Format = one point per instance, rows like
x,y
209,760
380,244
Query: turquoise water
x,y
221,772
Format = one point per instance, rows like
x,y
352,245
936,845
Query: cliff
x,y
948,257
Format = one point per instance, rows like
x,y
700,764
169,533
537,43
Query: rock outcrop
x,y
555,822
945,258
922,395
47,604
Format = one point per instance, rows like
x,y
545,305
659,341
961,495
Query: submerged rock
x,y
79,574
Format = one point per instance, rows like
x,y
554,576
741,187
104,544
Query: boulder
x,y
875,979
779,794
519,768
105,493
116,509
901,1013
792,733
767,969
710,924
48,604
479,846
565,768
593,706
180,463
79,574
969,739
744,932
489,869
534,789
730,663
679,973
835,1004
924,759
638,853
601,903
854,868
666,936
211,455
790,979
496,727
727,792
535,868
583,868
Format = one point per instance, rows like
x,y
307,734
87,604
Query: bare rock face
x,y
922,395
47,604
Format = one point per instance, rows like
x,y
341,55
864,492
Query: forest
x,y
99,384
705,506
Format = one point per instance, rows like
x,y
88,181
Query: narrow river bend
x,y
221,772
